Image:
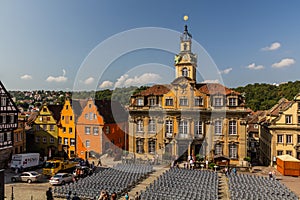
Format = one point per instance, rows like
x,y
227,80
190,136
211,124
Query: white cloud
x,y
211,81
88,81
58,79
255,67
274,46
284,63
26,77
120,81
144,79
226,71
106,84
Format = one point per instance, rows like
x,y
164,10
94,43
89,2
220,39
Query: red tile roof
x,y
215,88
155,90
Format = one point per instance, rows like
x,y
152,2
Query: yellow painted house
x,y
280,131
45,128
66,130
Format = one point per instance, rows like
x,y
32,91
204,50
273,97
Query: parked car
x,y
28,177
61,179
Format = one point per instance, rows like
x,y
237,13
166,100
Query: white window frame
x,y
183,101
218,127
151,126
140,101
87,130
152,101
233,151
140,146
289,139
66,141
87,143
218,149
288,119
232,101
198,101
218,101
169,126
232,127
198,127
140,126
280,138
183,127
169,101
95,130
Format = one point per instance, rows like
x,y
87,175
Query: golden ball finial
x,y
185,18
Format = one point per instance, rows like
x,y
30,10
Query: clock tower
x,y
186,61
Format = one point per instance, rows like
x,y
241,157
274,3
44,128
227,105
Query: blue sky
x,y
51,44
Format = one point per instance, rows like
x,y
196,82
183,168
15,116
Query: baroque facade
x,y
188,118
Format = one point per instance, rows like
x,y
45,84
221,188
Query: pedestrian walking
x,y
49,194
273,175
270,175
126,196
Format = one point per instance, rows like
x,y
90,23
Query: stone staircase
x,y
223,187
146,182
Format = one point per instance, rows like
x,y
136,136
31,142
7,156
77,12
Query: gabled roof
x,y
215,88
13,108
77,106
55,110
156,90
281,105
111,111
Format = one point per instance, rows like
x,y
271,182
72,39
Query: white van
x,y
24,161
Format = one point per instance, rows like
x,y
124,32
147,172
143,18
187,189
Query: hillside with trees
x,y
262,96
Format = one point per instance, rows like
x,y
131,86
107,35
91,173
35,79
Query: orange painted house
x,y
101,126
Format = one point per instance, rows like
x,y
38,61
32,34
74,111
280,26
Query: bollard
x,y
12,192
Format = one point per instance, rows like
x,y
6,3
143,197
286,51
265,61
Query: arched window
x,y
185,72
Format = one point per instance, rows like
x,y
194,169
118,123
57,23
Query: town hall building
x,y
207,120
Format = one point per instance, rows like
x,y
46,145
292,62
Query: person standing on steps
x,y
49,194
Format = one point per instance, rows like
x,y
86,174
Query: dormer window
x,y
218,101
169,101
185,72
232,101
152,101
183,101
140,102
198,101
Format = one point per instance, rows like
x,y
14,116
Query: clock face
x,y
185,57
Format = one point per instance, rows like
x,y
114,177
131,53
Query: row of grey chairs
x,y
118,179
178,184
245,186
